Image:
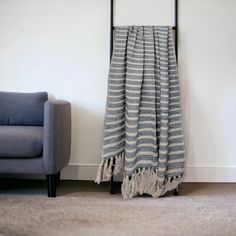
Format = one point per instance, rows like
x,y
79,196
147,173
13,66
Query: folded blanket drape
x,y
143,133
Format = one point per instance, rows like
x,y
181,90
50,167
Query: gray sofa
x,y
35,135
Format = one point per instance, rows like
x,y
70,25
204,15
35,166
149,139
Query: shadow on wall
x,y
87,130
227,117
198,133
184,91
198,125
209,111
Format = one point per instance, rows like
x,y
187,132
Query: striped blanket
x,y
143,135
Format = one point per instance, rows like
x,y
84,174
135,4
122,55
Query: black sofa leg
x,y
58,178
51,182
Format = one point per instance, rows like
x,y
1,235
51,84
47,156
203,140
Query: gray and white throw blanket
x,y
143,135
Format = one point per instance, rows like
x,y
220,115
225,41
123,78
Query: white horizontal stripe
x,y
110,154
176,152
130,135
114,122
139,75
117,73
118,63
113,144
116,90
114,136
115,108
146,129
175,144
146,145
176,161
116,102
174,110
175,129
175,137
175,171
114,129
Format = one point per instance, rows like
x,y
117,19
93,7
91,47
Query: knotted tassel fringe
x,y
105,168
145,180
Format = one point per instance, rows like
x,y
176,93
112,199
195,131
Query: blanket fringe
x,y
104,172
145,180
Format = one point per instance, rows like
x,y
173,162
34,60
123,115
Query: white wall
x,y
208,78
62,46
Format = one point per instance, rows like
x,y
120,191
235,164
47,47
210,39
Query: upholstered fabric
x,y
21,141
21,166
57,135
22,108
35,133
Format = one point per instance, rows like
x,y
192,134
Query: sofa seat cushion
x,y
21,141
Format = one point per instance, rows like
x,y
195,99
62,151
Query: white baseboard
x,y
210,174
192,174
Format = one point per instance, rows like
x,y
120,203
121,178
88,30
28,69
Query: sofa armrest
x,y
57,135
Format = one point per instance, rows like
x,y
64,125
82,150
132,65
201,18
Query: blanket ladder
x,y
175,28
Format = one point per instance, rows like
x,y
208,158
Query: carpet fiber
x,y
201,209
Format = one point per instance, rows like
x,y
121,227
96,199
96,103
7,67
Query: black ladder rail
x,y
111,51
175,28
176,190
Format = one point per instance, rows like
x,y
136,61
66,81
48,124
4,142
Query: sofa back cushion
x,y
22,108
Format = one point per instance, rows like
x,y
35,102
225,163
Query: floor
x,y
84,208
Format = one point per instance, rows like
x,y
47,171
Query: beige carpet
x,y
201,209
